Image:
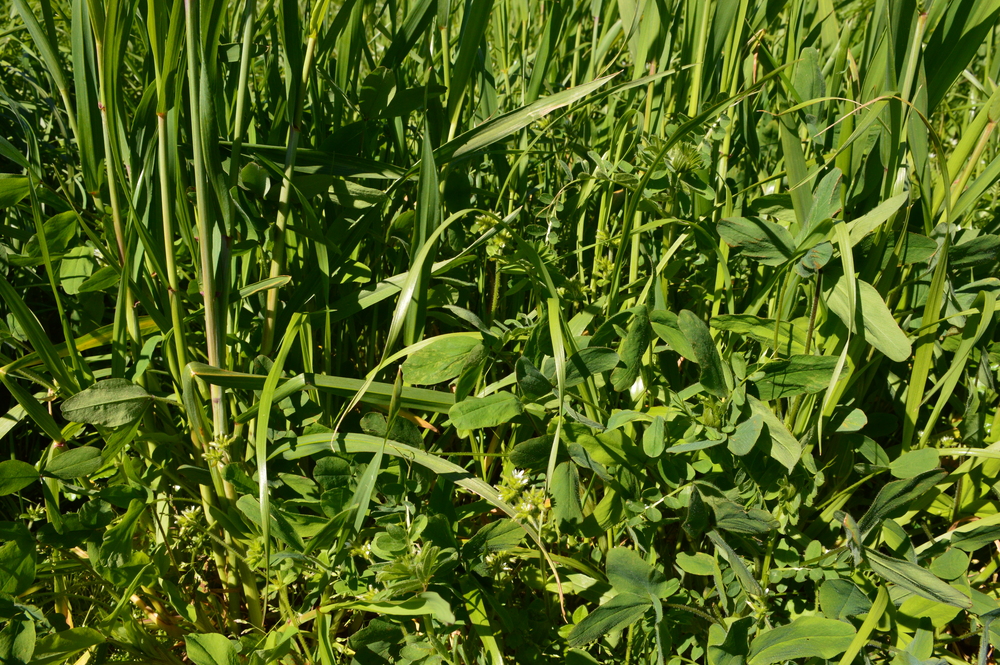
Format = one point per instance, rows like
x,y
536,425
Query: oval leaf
x,y
806,637
489,411
15,475
74,463
109,403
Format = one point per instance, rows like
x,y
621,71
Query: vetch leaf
x,y
654,438
806,637
109,403
489,411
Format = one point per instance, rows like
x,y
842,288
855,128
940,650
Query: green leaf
x,y
441,360
565,490
532,383
919,580
102,279
862,226
743,574
427,603
17,640
897,496
13,189
758,239
914,463
279,524
880,328
489,411
17,558
582,365
981,249
654,439
735,518
698,563
806,637
109,403
745,437
632,349
795,376
67,642
619,612
75,463
840,599
735,648
15,475
211,649
629,573
667,328
705,353
791,340
496,536
814,260
785,448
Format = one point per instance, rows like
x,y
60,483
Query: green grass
x,y
499,332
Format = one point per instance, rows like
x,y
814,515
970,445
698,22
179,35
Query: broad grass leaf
x,y
842,598
914,578
13,189
67,642
862,226
758,239
506,125
103,279
795,376
785,448
705,353
954,42
622,610
17,558
806,637
15,475
75,463
109,403
427,603
489,411
897,496
632,349
211,649
698,563
880,328
532,383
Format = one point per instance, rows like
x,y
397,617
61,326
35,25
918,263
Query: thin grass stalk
x,y
278,254
207,269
